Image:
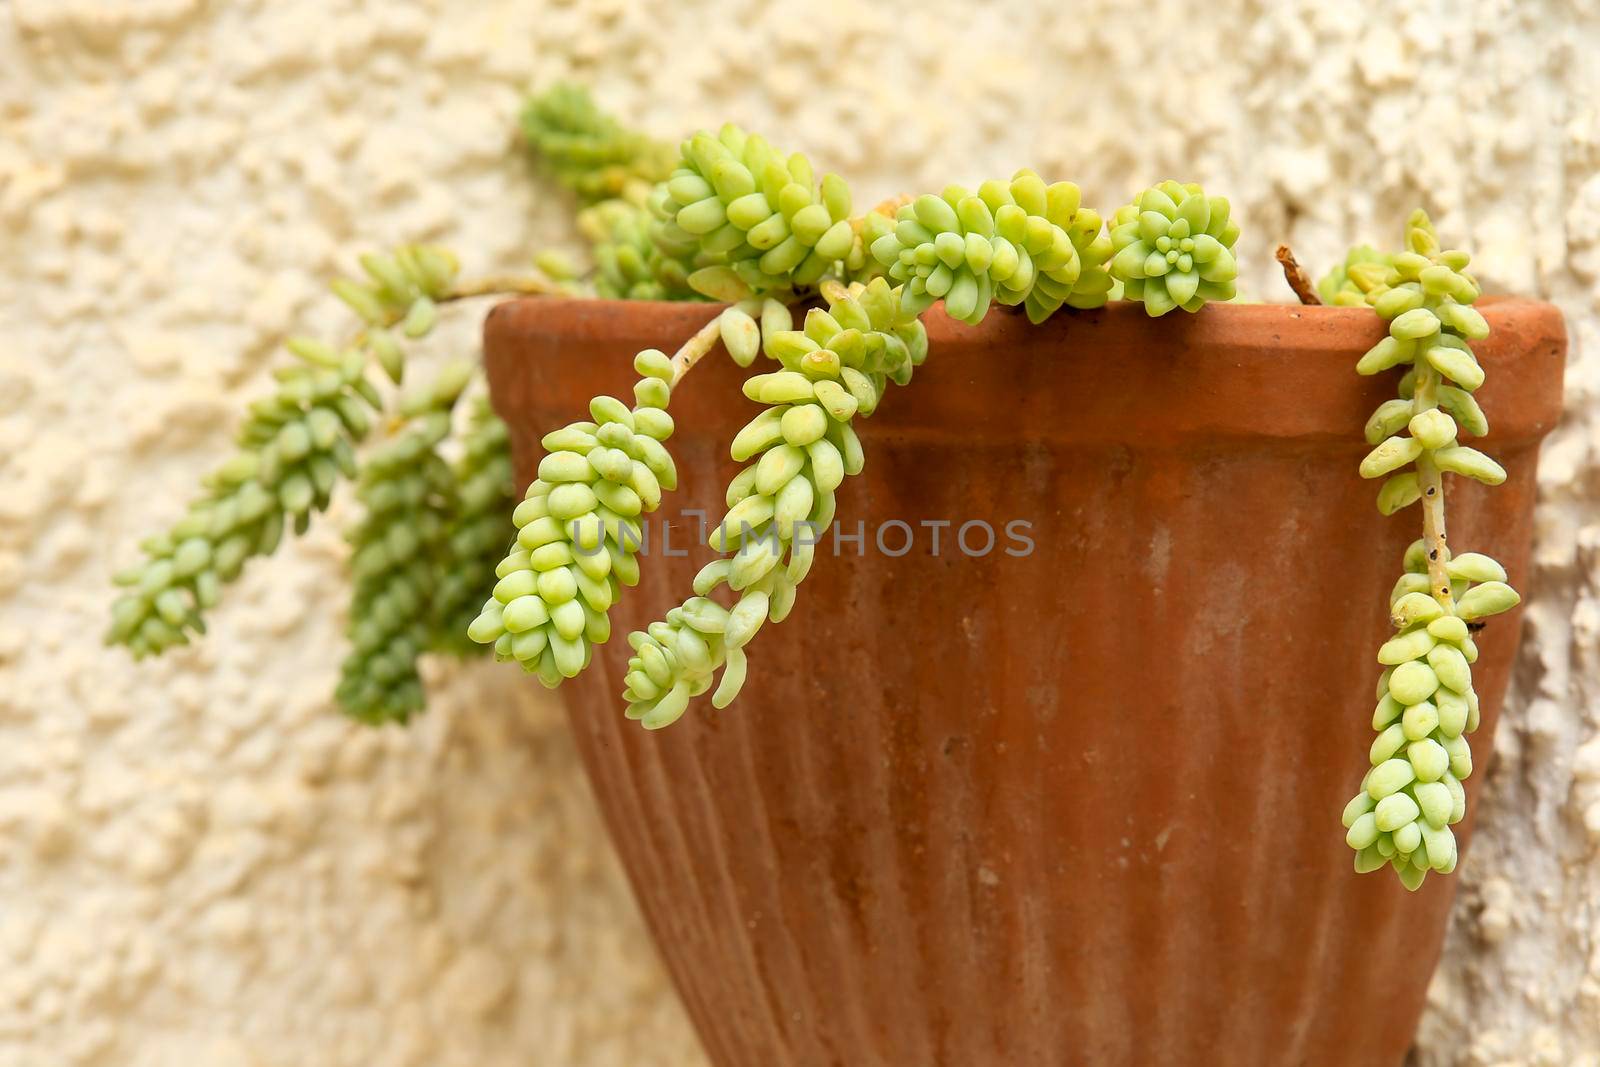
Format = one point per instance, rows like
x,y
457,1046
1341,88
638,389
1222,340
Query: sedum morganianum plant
x,y
1426,704
445,559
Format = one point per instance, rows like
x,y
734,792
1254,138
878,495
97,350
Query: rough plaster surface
x,y
201,863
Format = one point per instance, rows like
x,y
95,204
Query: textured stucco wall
x,y
201,863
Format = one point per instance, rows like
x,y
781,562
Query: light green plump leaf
x,y
1414,325
1490,598
1411,609
1406,647
1429,759
1363,831
1440,845
1389,455
1389,777
1420,720
1394,811
770,233
935,213
702,216
745,619
1412,683
1460,403
1156,201
836,400
803,424
1467,321
1456,364
1397,301
1390,416
742,520
1433,428
1475,567
1471,463
1389,741
962,298
746,212
781,387
556,586
740,335
777,466
1451,667
827,465
1389,352
759,433
1400,491
668,709
1388,710
1182,285
835,243
1221,269
1358,806
720,283
1460,754
653,392
1433,799
733,677
793,504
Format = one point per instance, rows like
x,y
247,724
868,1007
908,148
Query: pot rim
x,y
1228,372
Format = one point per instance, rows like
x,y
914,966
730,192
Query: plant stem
x,y
502,285
1431,481
695,348
1296,276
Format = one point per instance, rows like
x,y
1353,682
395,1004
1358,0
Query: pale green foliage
x,y
756,218
732,220
1426,706
578,530
400,553
744,223
1017,242
479,530
1426,296
587,150
298,443
629,263
1174,248
294,448
1426,703
613,169
798,452
1347,283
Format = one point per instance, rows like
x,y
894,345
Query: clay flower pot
x,y
1074,807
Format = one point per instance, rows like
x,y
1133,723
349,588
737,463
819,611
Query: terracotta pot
x,y
1078,807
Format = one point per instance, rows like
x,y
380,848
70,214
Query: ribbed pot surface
x,y
1079,806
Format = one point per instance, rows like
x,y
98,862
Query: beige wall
x,y
201,863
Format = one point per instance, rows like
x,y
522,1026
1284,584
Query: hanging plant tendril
x,y
1412,795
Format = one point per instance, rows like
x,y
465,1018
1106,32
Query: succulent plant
x,y
1426,704
1173,248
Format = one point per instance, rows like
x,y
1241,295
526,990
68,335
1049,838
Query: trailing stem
x,y
1296,276
695,349
1430,480
1412,795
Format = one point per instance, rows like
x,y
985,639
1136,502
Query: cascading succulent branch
x,y
1426,704
432,534
833,298
294,448
399,556
754,226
